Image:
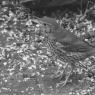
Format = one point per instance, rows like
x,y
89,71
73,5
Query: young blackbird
x,y
66,46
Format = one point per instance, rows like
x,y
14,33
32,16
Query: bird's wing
x,y
74,46
78,48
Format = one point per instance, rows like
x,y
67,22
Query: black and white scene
x,y
47,47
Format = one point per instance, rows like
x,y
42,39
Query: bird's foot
x,y
63,83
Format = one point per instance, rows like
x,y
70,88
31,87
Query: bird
x,y
66,46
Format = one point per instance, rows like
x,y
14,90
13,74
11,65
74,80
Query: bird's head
x,y
55,31
49,21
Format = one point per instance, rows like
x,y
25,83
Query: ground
x,y
26,68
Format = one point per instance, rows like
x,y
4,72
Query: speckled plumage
x,y
66,46
67,40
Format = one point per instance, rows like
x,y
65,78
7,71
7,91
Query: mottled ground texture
x,y
26,67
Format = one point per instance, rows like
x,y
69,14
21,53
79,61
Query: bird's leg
x,y
67,77
63,83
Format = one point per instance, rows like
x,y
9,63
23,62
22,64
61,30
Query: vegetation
x,y
26,66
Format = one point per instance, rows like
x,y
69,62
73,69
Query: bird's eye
x,y
45,24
